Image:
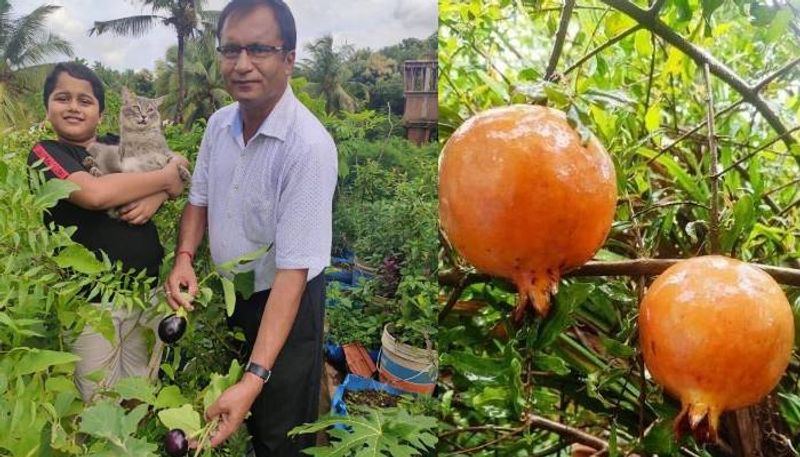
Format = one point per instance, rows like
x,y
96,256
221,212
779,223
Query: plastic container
x,y
406,367
357,383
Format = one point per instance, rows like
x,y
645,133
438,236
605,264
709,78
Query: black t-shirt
x,y
136,246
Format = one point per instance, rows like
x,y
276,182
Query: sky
x,y
362,23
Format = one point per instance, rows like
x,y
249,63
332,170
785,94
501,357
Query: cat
x,y
142,146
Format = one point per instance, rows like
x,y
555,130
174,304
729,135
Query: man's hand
x,y
182,275
232,406
140,211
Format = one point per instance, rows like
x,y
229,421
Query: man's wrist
x,y
253,380
184,253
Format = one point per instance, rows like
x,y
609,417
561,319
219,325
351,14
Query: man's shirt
x,y
276,189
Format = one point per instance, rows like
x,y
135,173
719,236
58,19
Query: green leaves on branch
x,y
391,432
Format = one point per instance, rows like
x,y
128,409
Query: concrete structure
x,y
422,106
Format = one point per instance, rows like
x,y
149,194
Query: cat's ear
x,y
158,101
127,96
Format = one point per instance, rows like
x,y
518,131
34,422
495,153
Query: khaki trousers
x,y
127,355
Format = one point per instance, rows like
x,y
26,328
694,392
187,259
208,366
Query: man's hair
x,y
77,71
282,13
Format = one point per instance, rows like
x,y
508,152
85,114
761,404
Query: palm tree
x,y
328,74
25,43
185,16
205,88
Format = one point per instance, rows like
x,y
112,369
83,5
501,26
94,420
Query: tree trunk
x,y
181,91
758,431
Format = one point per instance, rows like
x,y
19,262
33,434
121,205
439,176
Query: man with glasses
x,y
265,174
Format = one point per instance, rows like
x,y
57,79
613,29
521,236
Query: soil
x,y
371,398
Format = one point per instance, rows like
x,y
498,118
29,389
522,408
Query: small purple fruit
x,y
171,328
175,443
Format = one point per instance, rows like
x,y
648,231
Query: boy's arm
x,y
108,191
116,189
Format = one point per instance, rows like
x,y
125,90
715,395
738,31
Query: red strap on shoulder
x,y
49,161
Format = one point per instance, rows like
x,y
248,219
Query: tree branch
x,y
634,267
561,35
577,436
701,57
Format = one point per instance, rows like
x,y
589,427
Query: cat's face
x,y
139,113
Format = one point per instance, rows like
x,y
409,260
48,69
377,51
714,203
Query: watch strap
x,y
258,370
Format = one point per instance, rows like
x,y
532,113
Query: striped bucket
x,y
407,367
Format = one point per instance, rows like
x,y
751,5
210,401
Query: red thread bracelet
x,y
191,256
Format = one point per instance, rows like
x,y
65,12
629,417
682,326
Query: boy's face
x,y
73,110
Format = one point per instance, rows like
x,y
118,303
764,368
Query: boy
x,y
75,99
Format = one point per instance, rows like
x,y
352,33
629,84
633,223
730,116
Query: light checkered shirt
x,y
278,188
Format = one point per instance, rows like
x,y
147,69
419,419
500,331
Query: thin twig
x,y
600,48
561,34
757,150
775,75
691,132
701,57
713,223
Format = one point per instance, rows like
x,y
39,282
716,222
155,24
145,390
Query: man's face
x,y
255,81
73,110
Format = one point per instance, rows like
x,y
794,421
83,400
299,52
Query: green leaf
x,y
108,420
660,440
709,6
790,410
569,298
244,283
685,181
218,383
652,119
54,190
551,363
685,10
79,259
35,360
230,295
228,266
373,432
184,418
138,388
616,348
170,397
744,216
779,25
643,43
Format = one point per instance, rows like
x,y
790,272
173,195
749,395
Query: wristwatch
x,y
258,370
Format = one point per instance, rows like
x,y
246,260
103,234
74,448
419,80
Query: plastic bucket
x,y
405,367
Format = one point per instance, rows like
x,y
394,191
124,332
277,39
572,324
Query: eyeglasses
x,y
254,51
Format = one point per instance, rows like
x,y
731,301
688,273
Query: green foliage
x,y
356,316
42,309
581,364
390,432
25,45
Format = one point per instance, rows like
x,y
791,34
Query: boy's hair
x,y
282,14
77,71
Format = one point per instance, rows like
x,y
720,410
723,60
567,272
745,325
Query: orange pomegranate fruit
x,y
717,333
521,196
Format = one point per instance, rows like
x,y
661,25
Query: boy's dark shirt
x,y
136,246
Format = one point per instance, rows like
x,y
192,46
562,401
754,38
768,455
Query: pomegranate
x,y
521,197
717,333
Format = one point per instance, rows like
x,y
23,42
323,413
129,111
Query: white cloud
x,y
363,23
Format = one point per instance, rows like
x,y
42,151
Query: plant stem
x,y
713,223
561,34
